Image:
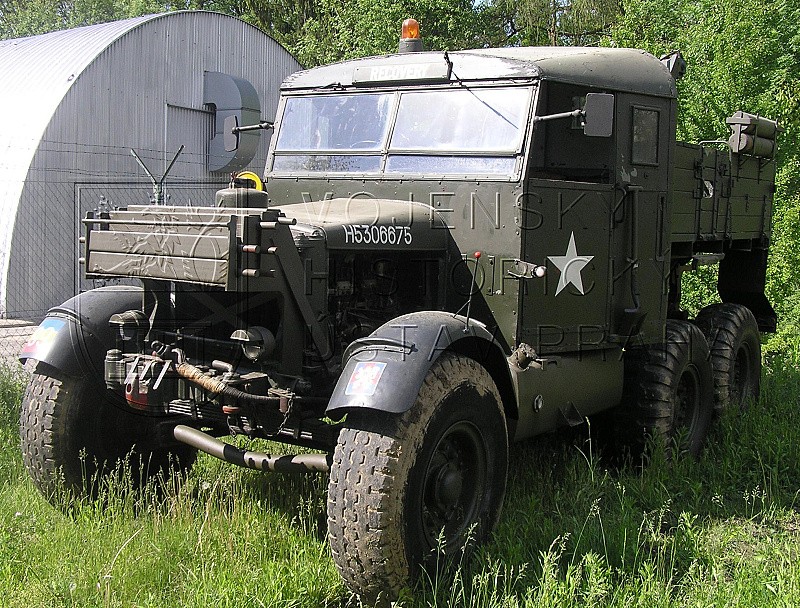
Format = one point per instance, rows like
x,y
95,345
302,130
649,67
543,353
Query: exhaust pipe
x,y
298,463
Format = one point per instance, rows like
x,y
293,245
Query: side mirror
x,y
598,115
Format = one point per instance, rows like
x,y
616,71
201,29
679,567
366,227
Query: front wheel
x,y
73,435
416,490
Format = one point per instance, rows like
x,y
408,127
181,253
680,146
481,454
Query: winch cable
x,y
217,386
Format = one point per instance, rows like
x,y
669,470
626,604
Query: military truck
x,y
449,252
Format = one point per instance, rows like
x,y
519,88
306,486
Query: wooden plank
x,y
195,270
175,245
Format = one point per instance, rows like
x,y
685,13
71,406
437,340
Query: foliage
x,y
741,54
283,19
29,17
321,31
550,22
344,29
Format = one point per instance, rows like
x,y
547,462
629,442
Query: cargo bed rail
x,y
207,246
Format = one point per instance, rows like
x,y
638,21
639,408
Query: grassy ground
x,y
724,531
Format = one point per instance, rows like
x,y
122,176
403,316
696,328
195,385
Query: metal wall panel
x,y
36,72
138,89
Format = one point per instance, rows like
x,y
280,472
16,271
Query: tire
x,y
669,391
413,491
735,343
73,435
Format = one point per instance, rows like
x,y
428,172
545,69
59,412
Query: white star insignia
x,y
570,266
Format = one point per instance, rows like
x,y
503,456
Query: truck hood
x,y
360,223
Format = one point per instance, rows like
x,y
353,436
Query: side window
x,y
560,150
644,136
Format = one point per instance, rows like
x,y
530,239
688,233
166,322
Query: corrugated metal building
x,y
75,102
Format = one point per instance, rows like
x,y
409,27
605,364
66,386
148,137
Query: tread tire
x,y
669,391
72,436
735,343
381,480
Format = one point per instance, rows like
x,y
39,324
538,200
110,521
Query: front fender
x,y
75,336
386,370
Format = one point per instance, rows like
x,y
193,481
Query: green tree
x,y
322,31
741,54
549,22
283,19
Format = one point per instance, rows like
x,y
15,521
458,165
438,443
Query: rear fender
x,y
386,370
74,337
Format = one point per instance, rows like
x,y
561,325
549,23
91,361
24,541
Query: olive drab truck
x,y
450,251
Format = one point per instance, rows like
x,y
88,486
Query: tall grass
x,y
720,531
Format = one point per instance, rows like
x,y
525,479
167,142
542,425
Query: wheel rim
x,y
453,486
687,401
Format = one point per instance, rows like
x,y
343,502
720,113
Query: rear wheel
x,y
416,490
669,390
73,435
735,343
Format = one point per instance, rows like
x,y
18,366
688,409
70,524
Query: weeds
x,y
720,531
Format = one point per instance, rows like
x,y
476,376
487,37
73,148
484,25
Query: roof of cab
x,y
614,69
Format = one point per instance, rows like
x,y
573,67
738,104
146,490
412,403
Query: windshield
x,y
335,122
451,121
443,132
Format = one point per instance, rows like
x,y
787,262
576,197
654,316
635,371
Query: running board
x,y
298,463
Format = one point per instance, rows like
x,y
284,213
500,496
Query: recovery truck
x,y
451,251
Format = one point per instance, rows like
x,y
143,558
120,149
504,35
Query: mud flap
x,y
74,337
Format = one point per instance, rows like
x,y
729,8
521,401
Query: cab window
x,y
443,132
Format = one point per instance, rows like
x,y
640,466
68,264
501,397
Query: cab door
x,y
567,227
640,227
567,310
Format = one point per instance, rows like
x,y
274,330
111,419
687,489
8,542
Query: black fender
x,y
385,370
74,337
